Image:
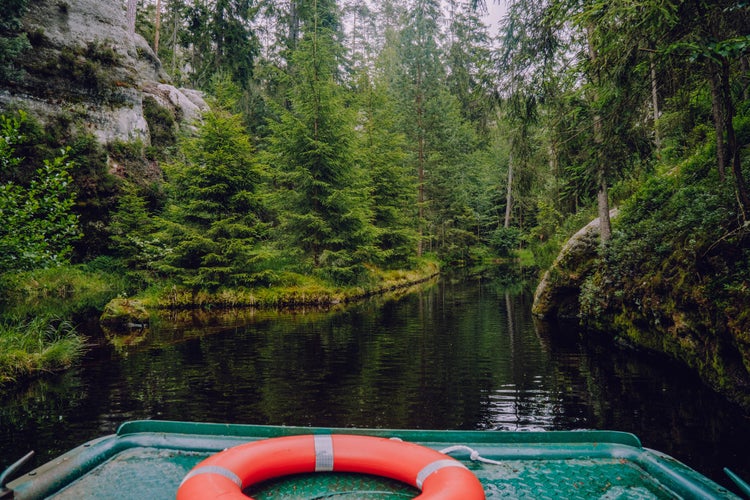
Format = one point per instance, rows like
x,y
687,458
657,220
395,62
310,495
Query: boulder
x,y
125,314
556,296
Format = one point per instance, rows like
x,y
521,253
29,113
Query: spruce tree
x,y
213,224
420,76
383,153
323,208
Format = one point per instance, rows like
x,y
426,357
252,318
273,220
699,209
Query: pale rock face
x,y
85,66
188,104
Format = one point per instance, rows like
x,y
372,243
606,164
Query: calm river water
x,y
451,355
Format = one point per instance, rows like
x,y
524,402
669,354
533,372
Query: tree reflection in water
x,y
449,355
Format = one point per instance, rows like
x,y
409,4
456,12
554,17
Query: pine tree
x,y
214,223
323,209
383,154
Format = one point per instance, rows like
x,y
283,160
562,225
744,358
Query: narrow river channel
x,y
450,355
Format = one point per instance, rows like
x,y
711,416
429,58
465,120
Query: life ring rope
x,y
228,473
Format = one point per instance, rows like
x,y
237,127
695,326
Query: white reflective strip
x,y
434,467
323,453
214,469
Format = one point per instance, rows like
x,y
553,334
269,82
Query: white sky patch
x,y
496,11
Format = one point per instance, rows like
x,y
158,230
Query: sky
x,y
496,12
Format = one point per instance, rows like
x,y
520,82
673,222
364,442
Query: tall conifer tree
x,y
383,153
323,207
213,225
420,78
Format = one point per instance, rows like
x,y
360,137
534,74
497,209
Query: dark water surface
x,y
463,355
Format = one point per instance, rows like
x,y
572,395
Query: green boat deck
x,y
148,459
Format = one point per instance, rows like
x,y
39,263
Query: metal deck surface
x,y
148,459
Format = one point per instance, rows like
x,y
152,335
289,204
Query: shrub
x,y
39,226
505,239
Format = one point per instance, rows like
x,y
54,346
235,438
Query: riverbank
x,y
41,344
38,333
673,279
301,291
38,308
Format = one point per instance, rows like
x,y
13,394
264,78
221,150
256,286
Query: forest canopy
x,y
349,137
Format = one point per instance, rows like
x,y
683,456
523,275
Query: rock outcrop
x,y
86,72
556,296
659,312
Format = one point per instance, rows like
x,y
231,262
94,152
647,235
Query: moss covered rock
x,y
558,292
124,314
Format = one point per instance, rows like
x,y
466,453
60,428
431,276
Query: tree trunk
x,y
718,111
420,158
131,16
602,196
554,167
294,24
509,193
655,104
174,44
157,27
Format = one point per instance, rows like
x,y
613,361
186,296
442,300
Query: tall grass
x,y
43,343
58,291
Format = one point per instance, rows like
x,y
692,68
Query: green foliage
x,y
43,343
382,151
93,185
667,238
221,39
472,76
162,127
13,43
39,226
322,200
95,188
133,235
63,291
11,49
207,236
505,240
103,53
86,72
10,136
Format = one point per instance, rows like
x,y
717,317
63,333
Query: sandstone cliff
x,y
86,72
668,313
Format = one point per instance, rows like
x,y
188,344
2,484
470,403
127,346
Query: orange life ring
x,y
229,472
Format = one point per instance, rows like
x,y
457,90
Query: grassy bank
x,y
41,344
48,340
296,291
37,330
301,290
59,291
